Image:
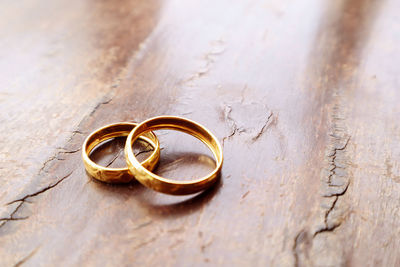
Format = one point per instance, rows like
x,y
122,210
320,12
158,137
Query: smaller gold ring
x,y
168,186
116,175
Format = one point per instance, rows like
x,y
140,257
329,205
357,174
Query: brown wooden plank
x,y
304,96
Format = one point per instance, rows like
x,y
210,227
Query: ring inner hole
x,y
183,157
110,153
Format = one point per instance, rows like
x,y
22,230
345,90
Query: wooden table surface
x,y
304,95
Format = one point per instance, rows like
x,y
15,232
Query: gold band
x,y
116,175
167,186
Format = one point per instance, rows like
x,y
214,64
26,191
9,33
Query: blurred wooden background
x,y
303,94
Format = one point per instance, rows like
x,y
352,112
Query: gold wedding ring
x,y
168,186
116,175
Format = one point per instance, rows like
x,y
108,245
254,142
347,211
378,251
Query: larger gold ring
x,y
167,186
116,175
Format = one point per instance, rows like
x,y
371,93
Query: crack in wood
x,y
231,121
263,128
23,199
260,127
302,238
56,157
70,151
11,217
104,101
330,222
19,263
294,249
333,160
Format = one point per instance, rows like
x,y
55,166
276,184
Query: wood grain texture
x,y
303,95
